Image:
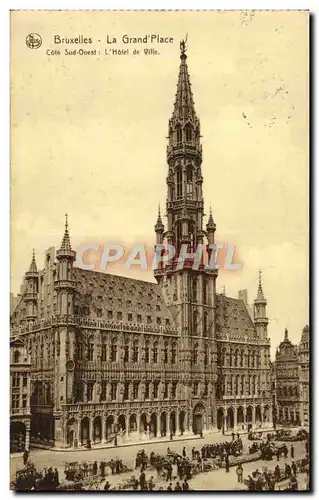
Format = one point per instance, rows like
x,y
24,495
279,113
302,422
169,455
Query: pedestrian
x,y
169,472
286,451
237,436
56,477
25,457
115,440
178,487
107,486
185,486
102,468
151,484
95,468
184,452
142,481
193,452
294,468
169,487
277,473
227,463
278,454
240,472
292,451
294,483
171,436
233,436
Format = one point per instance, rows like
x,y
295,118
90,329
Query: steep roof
x,y
233,317
111,294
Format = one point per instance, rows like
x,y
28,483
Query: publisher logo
x,y
33,41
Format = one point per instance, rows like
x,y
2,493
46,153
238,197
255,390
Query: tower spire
x,y
184,105
260,293
33,265
66,244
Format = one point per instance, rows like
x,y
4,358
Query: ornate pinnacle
x,y
66,244
33,266
260,293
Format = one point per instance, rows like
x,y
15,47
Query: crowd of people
x,y
259,481
234,447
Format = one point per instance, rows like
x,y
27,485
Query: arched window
x,y
114,350
16,356
188,132
206,355
166,352
243,382
237,385
90,349
147,352
195,316
178,135
230,357
223,356
179,182
189,181
135,351
236,358
205,323
195,354
241,358
174,353
155,352
126,351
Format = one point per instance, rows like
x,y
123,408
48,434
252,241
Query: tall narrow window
x,y
155,352
195,354
188,133
114,351
147,353
113,391
174,353
126,351
179,178
205,324
166,352
90,350
178,135
195,320
135,351
103,353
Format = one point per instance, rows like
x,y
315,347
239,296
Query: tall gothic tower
x,y
189,289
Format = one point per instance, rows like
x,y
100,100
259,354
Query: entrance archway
x,y
109,426
220,418
132,423
240,416
172,423
143,423
163,424
85,430
230,418
198,418
266,414
97,430
258,415
249,415
71,432
182,422
153,425
17,436
122,423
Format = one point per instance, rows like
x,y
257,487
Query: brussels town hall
x,y
118,358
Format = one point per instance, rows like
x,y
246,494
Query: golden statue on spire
x,y
183,46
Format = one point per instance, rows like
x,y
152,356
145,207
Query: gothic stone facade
x,y
20,386
112,355
292,380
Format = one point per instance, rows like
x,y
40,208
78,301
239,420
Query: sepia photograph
x,y
159,255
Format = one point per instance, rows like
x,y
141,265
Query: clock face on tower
x,y
70,365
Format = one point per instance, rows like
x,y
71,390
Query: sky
x,y
88,137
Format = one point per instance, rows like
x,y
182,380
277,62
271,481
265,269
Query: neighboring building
x,y
20,382
113,355
287,382
304,373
